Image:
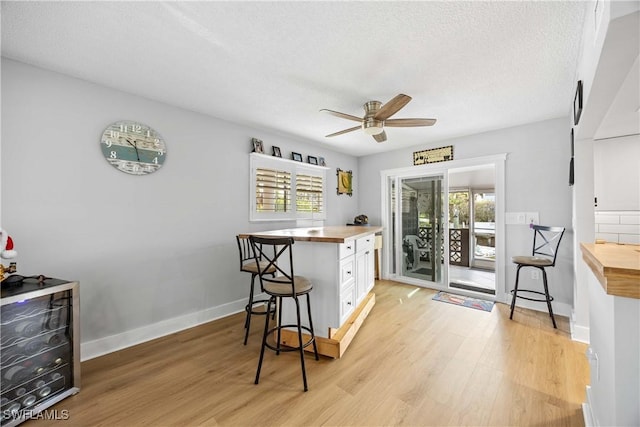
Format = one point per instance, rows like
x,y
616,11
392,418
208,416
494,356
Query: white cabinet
x,y
342,275
616,174
364,266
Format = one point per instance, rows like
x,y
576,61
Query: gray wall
x,y
536,175
146,249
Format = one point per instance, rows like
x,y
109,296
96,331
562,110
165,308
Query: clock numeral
x,y
113,155
136,167
148,133
160,152
108,143
123,128
114,134
155,160
136,128
156,141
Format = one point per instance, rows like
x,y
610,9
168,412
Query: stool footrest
x,y
262,302
277,347
532,292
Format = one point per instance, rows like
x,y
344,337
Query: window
x,y
309,193
282,189
273,190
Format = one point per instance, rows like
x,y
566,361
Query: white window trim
x,y
257,160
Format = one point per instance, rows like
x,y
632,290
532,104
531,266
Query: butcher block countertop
x,y
617,267
331,234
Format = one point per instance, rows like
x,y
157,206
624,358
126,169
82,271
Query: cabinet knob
x,y
349,247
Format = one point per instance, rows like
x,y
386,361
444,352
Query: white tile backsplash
x,y
630,219
607,219
618,226
612,238
629,239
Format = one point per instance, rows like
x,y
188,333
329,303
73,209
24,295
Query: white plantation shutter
x,y
284,190
273,190
309,193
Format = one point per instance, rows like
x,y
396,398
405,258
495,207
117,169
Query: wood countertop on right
x,y
617,267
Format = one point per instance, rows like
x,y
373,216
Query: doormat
x,y
422,271
478,304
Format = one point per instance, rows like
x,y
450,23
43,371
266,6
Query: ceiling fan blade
x,y
409,122
343,115
381,137
392,107
343,131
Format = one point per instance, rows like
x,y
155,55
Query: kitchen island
x,y
339,261
613,392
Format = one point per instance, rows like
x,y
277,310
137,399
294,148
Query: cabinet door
x,y
347,272
370,269
347,303
361,275
616,174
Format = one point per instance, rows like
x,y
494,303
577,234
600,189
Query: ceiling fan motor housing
x,y
370,125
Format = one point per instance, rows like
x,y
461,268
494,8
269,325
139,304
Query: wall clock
x,y
133,147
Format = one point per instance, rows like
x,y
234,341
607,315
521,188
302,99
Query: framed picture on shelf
x,y
571,176
276,151
321,161
257,145
296,156
312,160
344,182
577,103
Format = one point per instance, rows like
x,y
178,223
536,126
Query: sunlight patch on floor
x,y
413,292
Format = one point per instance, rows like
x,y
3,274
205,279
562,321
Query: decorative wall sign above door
x,y
433,155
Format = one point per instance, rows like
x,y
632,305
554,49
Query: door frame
x,y
498,161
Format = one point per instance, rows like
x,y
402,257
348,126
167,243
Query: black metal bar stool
x,y
284,285
546,241
248,264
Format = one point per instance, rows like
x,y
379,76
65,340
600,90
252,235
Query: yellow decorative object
x,y
344,182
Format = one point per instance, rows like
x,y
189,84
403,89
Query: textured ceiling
x,y
474,66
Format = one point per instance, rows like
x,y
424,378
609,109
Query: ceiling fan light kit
x,y
372,126
377,116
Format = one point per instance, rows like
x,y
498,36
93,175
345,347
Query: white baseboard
x,y
587,414
102,346
578,333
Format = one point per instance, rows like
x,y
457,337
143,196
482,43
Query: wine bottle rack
x,y
39,347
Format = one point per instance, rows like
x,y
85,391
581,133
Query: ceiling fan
x,y
377,116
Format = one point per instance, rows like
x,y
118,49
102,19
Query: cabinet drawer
x,y
347,248
347,303
347,271
365,243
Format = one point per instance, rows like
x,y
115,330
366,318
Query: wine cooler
x,y
39,348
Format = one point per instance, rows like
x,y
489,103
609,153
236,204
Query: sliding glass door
x,y
420,227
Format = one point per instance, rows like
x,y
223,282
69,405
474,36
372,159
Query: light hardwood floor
x,y
414,362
